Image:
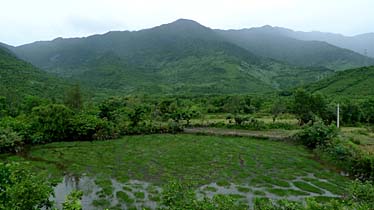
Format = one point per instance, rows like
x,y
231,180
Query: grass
x,y
139,195
243,189
202,159
307,187
328,186
211,189
269,166
362,136
124,197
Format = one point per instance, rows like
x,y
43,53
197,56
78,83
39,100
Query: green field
x,y
132,170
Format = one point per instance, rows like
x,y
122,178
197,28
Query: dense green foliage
x,y
349,157
317,135
308,107
344,153
19,79
10,141
73,201
354,83
20,189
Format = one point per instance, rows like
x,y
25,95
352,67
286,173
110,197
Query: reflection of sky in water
x,y
90,189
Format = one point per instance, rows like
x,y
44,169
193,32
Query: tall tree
x,y
73,98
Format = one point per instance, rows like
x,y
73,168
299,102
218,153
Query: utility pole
x,y
337,116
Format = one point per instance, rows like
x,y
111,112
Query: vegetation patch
x,y
307,187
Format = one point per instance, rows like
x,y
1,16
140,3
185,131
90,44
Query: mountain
x,y
363,43
179,58
6,47
19,78
279,44
354,83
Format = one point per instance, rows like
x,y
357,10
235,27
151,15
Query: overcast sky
x,y
24,21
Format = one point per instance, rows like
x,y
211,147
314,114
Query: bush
x,y
105,130
10,141
239,120
349,157
73,201
20,125
362,193
20,189
89,127
317,134
50,123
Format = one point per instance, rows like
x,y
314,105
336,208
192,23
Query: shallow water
x,y
70,183
91,192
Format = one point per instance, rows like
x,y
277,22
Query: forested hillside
x,y
19,78
180,57
352,83
276,43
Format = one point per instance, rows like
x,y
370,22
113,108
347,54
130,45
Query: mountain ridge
x,y
357,82
183,56
19,78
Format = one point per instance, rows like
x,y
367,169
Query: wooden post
x,y
338,117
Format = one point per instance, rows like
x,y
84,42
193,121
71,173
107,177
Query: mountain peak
x,y
185,21
267,27
185,28
185,24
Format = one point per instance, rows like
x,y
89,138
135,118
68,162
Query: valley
x,y
182,116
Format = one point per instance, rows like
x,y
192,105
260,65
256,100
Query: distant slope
x,y
363,43
276,43
18,78
353,82
180,58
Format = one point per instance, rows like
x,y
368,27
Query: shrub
x,y
20,189
72,201
239,120
105,130
19,124
317,134
362,193
89,127
50,123
10,141
350,158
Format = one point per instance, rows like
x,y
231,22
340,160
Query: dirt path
x,y
268,134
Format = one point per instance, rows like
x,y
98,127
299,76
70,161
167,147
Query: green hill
x,y
273,42
353,83
19,78
179,58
